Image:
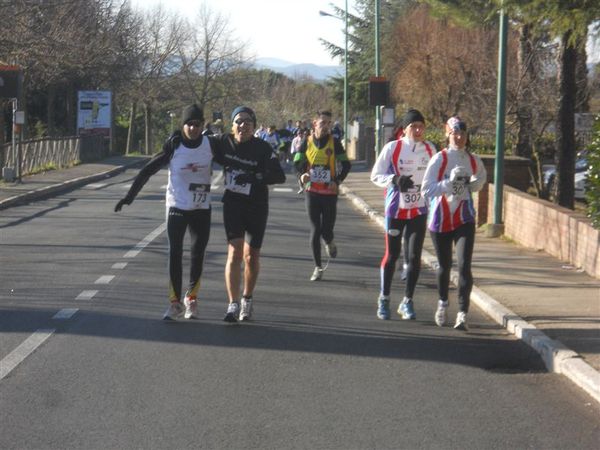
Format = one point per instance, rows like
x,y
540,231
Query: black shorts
x,y
243,219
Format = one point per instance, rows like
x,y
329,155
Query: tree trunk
x,y
582,104
565,124
131,129
71,106
50,111
524,109
147,133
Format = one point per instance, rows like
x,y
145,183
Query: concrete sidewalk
x,y
546,303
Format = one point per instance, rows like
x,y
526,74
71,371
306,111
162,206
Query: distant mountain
x,y
299,70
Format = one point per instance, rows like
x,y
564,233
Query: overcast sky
x,y
284,29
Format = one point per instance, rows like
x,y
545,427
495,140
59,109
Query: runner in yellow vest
x,y
322,165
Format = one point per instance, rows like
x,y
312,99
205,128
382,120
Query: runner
x,y
189,158
400,168
318,162
249,165
451,176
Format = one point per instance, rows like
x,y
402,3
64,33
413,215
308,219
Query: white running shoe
x,y
461,321
232,312
174,311
246,309
317,274
191,308
441,314
331,249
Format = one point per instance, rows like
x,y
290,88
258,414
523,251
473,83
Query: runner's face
x,y
458,138
322,126
415,131
193,129
243,127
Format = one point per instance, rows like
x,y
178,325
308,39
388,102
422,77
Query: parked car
x,y
582,170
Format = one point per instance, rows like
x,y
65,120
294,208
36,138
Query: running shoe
x,y
461,321
232,312
383,308
441,314
246,309
404,273
331,249
317,274
174,311
191,308
406,309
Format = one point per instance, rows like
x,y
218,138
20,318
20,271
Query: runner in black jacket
x,y
249,166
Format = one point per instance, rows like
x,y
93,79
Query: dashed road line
x,y
65,314
104,279
86,295
144,242
119,265
26,348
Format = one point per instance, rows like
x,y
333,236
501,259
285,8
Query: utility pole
x,y
497,228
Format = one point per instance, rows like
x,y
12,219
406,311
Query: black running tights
x,y
414,235
464,239
198,222
322,210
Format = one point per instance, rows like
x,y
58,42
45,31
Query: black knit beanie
x,y
192,112
245,109
412,115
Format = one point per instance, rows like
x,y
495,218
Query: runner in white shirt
x,y
451,176
189,158
400,168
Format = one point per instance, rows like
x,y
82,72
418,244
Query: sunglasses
x,y
243,121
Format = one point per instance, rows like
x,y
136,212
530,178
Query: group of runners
x,y
250,165
409,168
428,189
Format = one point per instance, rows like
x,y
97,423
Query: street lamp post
x,y
345,106
377,74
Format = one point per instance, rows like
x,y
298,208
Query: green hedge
x,y
593,180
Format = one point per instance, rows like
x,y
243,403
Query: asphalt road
x,y
315,369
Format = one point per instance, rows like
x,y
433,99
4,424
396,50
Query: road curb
x,y
74,183
556,356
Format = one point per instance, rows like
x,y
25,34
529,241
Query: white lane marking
x,y
27,347
282,189
126,186
104,279
86,295
95,185
119,265
144,242
65,313
164,186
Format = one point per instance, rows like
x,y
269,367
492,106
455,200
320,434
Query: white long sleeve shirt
x,y
451,203
403,157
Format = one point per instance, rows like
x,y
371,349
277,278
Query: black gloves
x,y
123,201
404,182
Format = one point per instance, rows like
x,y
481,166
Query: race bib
x,y
320,174
232,186
411,198
200,195
460,191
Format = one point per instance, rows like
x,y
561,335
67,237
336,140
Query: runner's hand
x,y
404,182
120,204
